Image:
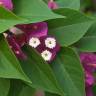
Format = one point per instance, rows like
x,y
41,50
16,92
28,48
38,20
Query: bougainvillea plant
x,y
47,48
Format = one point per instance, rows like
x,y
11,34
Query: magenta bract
x,y
15,47
52,5
89,63
7,4
36,30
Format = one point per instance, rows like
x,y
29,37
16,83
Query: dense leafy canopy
x,y
64,76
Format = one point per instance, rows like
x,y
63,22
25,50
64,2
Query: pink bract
x,y
7,4
52,4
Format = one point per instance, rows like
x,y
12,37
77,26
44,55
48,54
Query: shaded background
x,y
88,6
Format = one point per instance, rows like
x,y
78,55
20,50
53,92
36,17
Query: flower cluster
x,y
47,46
35,35
89,63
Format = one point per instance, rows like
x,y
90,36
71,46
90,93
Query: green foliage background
x,y
73,29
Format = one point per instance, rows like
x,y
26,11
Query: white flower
x,y
46,55
50,42
34,42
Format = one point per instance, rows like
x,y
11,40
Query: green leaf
x,y
87,44
27,91
69,73
71,29
8,19
73,4
46,1
9,65
92,30
34,10
18,88
94,89
4,87
15,87
50,94
39,72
